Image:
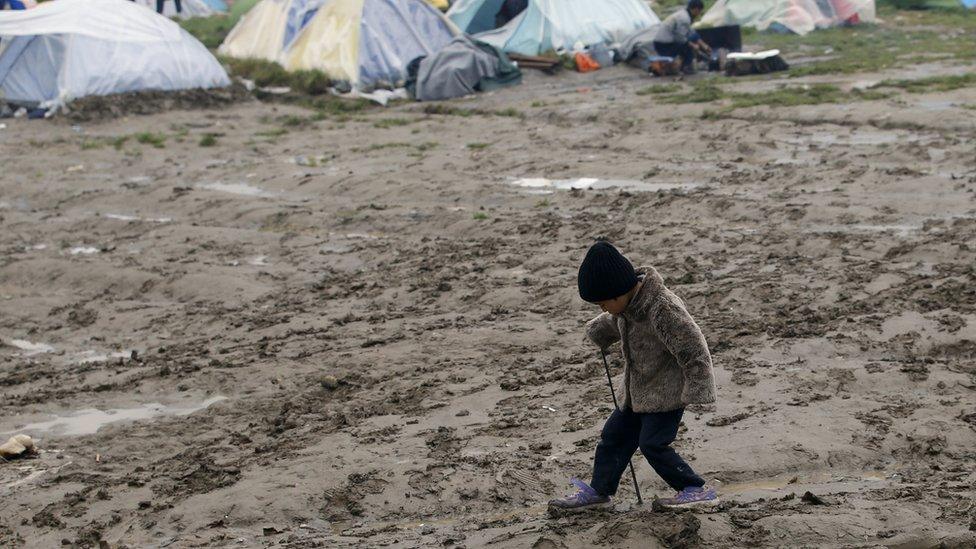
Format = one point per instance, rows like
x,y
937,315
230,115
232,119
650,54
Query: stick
x,y
640,500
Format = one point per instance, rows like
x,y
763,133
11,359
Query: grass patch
x,y
292,121
659,89
930,84
212,30
480,216
90,144
701,92
419,147
478,146
273,133
806,95
447,110
157,140
788,96
268,73
208,140
209,30
387,123
869,48
119,142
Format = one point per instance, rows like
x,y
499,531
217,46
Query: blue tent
x,y
553,24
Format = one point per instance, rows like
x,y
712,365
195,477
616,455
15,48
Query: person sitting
x,y
676,39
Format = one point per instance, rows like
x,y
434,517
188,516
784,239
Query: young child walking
x,y
666,367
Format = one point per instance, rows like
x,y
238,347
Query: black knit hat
x,y
605,274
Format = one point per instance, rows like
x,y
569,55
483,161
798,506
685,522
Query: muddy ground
x,y
307,331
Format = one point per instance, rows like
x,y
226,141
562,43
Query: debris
x,y
813,499
544,64
17,446
29,348
329,382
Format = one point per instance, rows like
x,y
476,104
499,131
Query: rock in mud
x,y
17,446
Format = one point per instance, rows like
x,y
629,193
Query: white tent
x,y
796,16
67,49
553,24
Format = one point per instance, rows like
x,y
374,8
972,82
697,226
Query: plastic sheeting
x,y
191,8
554,24
796,16
369,42
260,34
461,68
73,48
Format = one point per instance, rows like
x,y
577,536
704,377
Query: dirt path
x,y
386,306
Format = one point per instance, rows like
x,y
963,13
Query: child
x,y
666,367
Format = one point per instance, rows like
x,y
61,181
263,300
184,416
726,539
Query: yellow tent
x,y
367,43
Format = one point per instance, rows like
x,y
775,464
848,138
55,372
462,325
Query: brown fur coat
x,y
666,361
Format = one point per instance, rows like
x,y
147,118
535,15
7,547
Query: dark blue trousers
x,y
673,49
653,433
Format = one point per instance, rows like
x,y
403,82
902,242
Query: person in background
x,y
159,6
675,38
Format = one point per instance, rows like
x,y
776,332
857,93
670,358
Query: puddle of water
x,y
237,188
123,217
861,137
90,420
537,184
90,357
781,482
936,105
899,230
30,349
83,250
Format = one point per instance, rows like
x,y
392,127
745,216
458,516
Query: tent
x,y
67,49
796,16
367,43
553,24
268,29
191,8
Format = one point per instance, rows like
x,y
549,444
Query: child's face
x,y
616,305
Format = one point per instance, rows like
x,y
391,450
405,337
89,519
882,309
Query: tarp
x,y
268,28
461,68
367,43
191,8
796,16
73,48
553,24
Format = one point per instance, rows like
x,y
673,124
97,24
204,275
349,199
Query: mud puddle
x,y
545,186
89,420
242,189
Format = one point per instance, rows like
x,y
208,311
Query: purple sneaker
x,y
584,499
691,497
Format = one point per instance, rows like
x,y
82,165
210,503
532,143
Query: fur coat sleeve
x,y
685,341
602,331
